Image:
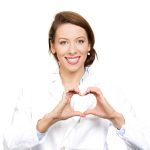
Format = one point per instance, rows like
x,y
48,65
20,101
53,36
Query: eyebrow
x,y
67,38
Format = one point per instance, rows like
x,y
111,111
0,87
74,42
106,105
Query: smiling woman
x,y
71,47
75,21
76,109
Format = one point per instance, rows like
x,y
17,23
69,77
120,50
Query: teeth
x,y
72,60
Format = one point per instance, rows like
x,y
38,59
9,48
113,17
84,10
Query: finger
x,y
78,113
93,90
71,88
90,111
90,89
76,90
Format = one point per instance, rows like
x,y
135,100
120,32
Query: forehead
x,y
70,30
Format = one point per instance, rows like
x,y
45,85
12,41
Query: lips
x,y
73,60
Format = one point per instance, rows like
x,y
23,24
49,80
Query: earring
x,y
88,54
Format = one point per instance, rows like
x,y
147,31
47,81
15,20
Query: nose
x,y
72,48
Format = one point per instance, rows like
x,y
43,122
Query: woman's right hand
x,y
62,111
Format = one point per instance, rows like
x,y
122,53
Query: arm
x,y
134,133
103,109
21,131
62,111
128,128
24,131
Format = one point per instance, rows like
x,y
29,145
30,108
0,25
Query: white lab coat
x,y
76,133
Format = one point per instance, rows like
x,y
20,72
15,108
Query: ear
x,y
53,48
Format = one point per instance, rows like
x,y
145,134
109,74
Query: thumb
x,y
87,112
78,113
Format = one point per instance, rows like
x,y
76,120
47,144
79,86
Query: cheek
x,y
84,55
60,55
84,52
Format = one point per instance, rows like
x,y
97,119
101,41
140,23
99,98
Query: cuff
x,y
40,135
121,132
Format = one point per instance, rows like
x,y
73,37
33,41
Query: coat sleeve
x,y
135,133
21,133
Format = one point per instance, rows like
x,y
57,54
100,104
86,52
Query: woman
x,y
78,109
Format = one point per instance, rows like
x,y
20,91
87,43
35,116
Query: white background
x,y
122,31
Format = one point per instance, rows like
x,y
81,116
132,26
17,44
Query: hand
x,y
103,109
64,110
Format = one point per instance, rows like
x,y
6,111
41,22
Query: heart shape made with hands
x,y
83,103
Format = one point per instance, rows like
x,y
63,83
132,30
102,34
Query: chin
x,y
74,68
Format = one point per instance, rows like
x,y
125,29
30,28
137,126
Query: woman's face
x,y
71,46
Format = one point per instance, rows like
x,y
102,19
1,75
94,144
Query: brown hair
x,y
76,19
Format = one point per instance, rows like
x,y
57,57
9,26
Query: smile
x,y
73,60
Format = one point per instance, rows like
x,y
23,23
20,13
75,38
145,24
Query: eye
x,y
80,41
63,42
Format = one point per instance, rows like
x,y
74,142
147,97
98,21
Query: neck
x,y
70,79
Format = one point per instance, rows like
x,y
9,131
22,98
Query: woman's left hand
x,y
103,109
